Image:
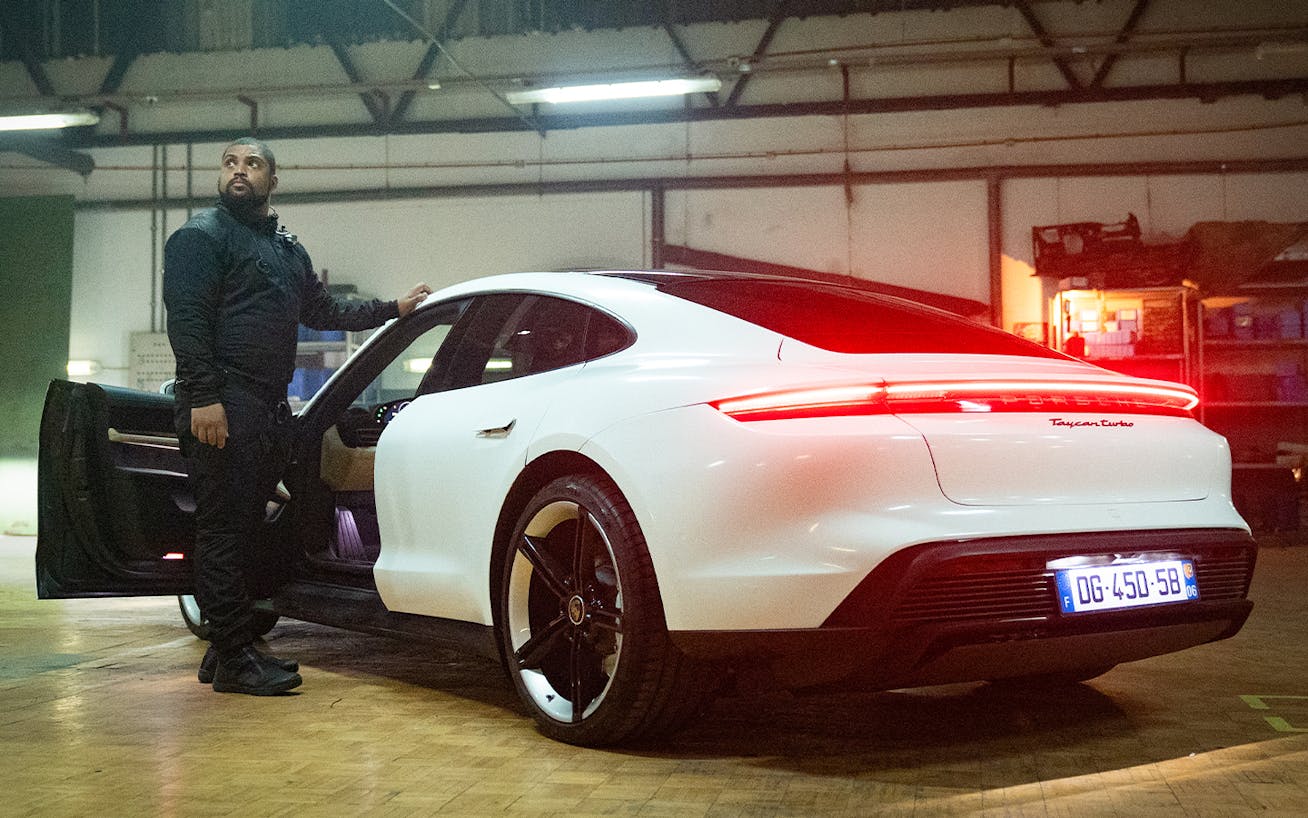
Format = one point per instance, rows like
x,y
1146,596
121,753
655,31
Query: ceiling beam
x,y
113,78
1123,36
1065,67
435,40
850,55
774,22
10,21
51,153
1214,167
429,58
376,110
1207,92
680,45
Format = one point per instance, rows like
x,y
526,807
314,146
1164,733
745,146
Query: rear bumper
x,y
939,613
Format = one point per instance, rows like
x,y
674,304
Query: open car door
x,y
115,514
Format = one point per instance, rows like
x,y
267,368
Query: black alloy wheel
x,y
581,622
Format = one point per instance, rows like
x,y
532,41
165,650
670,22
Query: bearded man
x,y
236,286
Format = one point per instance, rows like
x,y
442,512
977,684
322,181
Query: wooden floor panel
x,y
100,713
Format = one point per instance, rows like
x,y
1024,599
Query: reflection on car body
x,y
633,487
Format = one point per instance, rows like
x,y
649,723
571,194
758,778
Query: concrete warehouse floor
x,y
100,712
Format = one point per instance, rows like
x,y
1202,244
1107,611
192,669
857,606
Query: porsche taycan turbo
x,y
634,487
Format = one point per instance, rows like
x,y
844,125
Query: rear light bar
x,y
921,397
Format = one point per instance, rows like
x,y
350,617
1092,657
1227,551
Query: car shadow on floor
x,y
972,735
1005,731
417,663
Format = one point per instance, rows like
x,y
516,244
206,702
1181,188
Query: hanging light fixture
x,y
616,90
48,121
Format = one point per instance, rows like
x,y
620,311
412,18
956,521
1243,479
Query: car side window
x,y
469,349
512,335
543,334
403,374
606,335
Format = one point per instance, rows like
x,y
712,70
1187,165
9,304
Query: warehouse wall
x,y
928,235
381,247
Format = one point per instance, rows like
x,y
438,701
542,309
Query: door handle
x,y
157,441
498,431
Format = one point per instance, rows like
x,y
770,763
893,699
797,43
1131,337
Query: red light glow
x,y
855,399
921,397
174,555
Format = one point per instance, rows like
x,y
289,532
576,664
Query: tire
x,y
261,622
581,623
195,621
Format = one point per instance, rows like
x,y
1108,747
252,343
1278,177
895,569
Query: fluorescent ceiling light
x,y
616,90
44,122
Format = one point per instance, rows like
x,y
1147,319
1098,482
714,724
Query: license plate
x,y
1126,585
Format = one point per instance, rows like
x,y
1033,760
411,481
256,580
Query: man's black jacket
x,y
236,294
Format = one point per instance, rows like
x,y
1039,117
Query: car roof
x,y
619,289
554,281
657,277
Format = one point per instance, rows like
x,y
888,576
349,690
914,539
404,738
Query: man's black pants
x,y
232,486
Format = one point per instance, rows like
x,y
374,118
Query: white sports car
x,y
633,487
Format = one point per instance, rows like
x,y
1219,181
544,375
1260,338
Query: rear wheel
x,y
581,621
195,621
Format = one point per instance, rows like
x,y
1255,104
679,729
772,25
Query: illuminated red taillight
x,y
920,397
827,401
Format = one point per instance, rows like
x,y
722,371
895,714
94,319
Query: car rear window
x,y
840,319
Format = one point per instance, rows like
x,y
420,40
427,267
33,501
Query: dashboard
x,y
360,427
384,413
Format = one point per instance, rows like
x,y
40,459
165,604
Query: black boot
x,y
249,671
210,663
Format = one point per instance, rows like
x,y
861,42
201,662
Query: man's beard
x,y
244,206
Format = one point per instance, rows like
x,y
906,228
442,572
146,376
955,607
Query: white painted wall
x,y
112,274
383,248
929,236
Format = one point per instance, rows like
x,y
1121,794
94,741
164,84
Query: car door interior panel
x,y
115,511
346,468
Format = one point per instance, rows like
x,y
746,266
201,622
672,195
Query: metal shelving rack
x,y
1244,395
